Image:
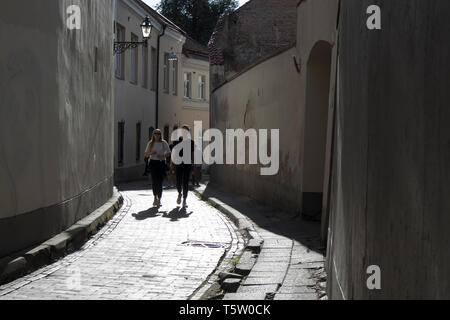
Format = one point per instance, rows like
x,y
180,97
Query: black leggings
x,y
158,171
183,172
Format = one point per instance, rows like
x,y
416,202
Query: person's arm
x,y
193,146
167,152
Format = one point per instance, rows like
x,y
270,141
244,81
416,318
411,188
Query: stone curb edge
x,y
27,261
244,225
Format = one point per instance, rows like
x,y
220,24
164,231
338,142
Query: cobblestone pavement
x,y
141,253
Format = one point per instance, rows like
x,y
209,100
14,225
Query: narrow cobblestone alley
x,y
142,253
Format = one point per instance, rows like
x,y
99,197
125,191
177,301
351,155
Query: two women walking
x,y
158,151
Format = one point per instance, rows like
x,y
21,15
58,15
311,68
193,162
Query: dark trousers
x,y
157,170
183,172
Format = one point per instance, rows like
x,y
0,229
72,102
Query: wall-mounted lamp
x,y
122,46
172,56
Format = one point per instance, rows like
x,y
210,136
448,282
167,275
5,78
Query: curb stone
x,y
253,246
13,267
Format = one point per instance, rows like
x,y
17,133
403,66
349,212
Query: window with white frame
x,y
187,84
166,72
175,77
154,68
144,80
202,87
134,61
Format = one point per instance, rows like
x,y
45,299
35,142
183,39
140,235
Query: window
x,y
201,87
187,85
134,61
166,72
175,77
138,141
95,59
150,133
121,139
154,70
144,80
166,133
120,58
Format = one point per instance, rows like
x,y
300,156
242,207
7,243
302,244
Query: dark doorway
x,y
316,124
121,141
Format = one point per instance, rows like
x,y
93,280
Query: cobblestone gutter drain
x,y
202,244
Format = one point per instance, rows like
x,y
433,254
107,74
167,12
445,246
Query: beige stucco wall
x,y
265,97
56,117
316,23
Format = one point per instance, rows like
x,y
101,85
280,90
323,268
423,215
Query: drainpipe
x,y
157,75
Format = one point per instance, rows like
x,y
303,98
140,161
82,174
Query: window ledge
x,y
195,100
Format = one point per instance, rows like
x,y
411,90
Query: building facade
x,y
148,86
56,145
249,34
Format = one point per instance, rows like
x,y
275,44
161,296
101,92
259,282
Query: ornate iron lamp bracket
x,y
121,47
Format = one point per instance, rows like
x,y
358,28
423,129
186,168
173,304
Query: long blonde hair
x,y
153,138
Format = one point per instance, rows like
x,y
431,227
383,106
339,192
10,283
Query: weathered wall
x,y
259,28
257,99
274,95
391,175
55,118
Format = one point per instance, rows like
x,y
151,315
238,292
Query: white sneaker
x,y
179,198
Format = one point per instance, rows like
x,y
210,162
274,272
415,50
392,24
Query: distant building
x,y
250,33
195,104
190,101
56,118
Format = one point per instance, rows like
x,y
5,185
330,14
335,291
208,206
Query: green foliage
x,y
197,17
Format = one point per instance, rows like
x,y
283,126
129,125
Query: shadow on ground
x,y
271,219
177,214
149,213
139,185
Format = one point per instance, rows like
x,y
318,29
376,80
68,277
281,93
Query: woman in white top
x,y
157,151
